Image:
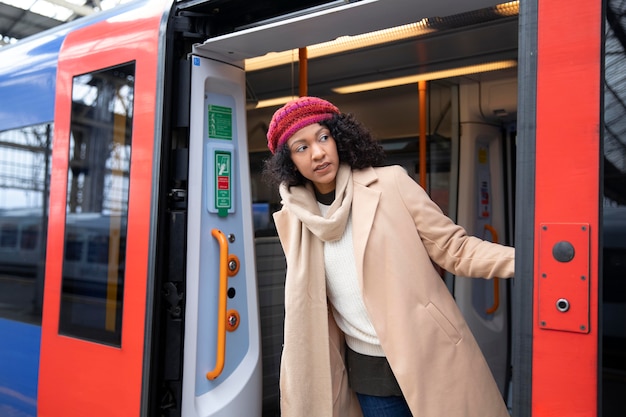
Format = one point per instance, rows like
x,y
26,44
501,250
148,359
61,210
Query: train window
x,y
73,247
266,199
98,250
30,236
97,205
8,236
24,178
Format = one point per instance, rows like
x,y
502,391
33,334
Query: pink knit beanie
x,y
295,115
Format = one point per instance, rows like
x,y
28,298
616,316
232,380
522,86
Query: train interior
x,y
470,175
462,106
467,122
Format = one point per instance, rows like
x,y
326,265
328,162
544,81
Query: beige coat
x,y
397,230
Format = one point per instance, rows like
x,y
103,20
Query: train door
x,y
99,256
222,352
557,300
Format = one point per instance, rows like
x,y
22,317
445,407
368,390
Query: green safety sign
x,y
220,122
223,182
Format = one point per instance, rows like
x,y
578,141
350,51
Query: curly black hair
x,y
355,146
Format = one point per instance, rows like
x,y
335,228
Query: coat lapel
x,y
366,200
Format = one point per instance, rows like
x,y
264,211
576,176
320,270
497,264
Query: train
x,y
140,271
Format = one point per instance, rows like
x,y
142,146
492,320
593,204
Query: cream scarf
x,y
302,203
306,378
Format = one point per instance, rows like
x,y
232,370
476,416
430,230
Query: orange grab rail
x,y
496,280
221,313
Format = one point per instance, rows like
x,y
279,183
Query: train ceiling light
x,y
278,101
427,76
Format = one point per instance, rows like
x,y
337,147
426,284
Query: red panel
x,y
565,381
564,285
80,378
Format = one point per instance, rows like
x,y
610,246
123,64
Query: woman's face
x,y
314,153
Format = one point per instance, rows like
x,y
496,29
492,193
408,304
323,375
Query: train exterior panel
x,y
140,272
29,85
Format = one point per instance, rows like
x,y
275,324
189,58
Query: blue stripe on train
x,y
19,368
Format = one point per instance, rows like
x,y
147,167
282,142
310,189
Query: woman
x,y
370,327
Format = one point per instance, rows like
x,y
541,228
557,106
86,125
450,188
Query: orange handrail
x,y
423,117
496,280
303,61
221,308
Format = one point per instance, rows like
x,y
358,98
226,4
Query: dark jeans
x,y
373,406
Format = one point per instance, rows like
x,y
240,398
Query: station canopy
x,y
22,18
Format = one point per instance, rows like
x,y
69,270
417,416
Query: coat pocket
x,y
444,323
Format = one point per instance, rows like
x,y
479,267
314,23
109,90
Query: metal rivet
x,y
232,320
543,323
232,265
583,277
582,327
231,238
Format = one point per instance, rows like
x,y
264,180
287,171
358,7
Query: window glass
x,y
97,205
24,178
29,237
8,236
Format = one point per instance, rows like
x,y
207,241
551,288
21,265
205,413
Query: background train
x,y
117,229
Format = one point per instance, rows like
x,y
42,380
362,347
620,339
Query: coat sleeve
x,y
447,243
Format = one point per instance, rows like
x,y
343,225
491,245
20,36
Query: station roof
x,y
22,18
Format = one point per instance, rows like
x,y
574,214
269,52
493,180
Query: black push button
x,y
563,251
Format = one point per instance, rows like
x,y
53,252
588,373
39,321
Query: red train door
x,y
556,352
99,250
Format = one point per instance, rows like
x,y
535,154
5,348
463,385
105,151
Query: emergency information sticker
x,y
220,122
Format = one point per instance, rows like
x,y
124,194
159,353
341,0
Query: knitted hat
x,y
295,115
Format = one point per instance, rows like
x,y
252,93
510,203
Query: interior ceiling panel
x,y
458,47
326,25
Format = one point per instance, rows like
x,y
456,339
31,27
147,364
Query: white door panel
x,y
481,213
222,359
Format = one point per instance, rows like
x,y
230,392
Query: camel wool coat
x,y
398,231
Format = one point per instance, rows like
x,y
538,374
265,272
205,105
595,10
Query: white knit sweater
x,y
344,293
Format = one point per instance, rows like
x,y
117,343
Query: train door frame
x,y
228,48
556,361
75,374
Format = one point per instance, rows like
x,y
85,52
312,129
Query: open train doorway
x,y
470,164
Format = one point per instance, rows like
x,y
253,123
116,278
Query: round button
x,y
563,251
